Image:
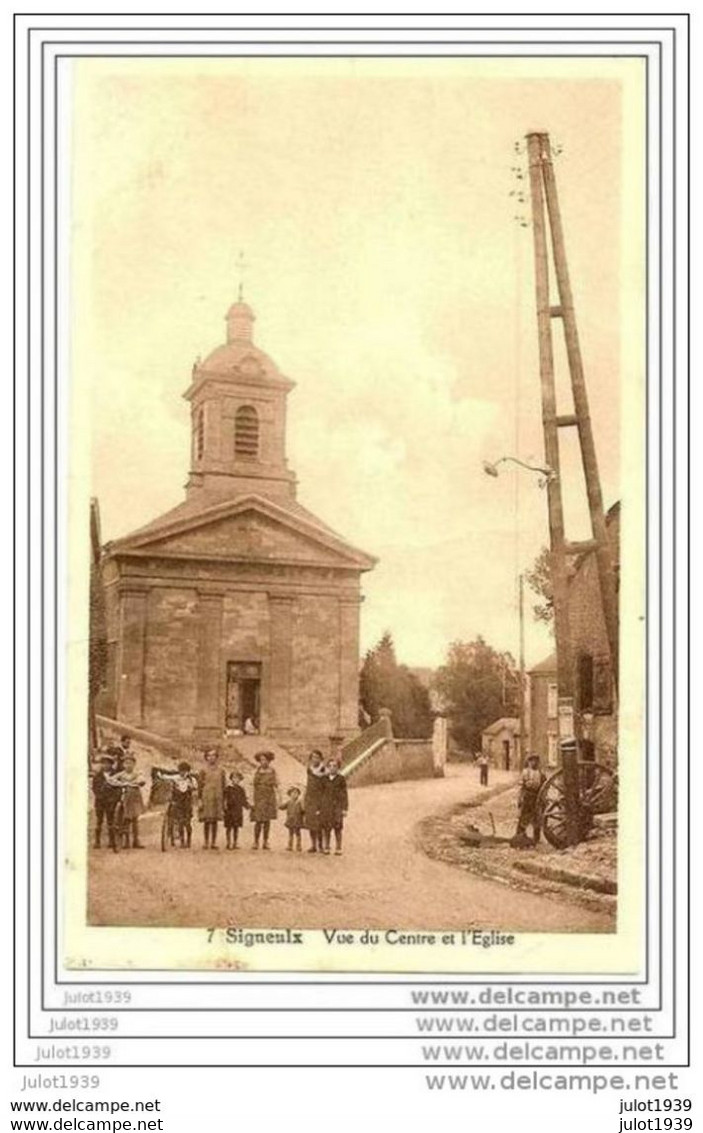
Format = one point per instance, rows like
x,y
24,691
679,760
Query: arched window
x,y
246,433
199,434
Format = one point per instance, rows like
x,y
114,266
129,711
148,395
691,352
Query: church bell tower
x,y
238,419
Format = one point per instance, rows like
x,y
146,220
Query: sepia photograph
x,y
356,504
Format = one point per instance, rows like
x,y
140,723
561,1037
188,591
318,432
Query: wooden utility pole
x,y
581,414
537,147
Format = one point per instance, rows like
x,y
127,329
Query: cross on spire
x,y
242,266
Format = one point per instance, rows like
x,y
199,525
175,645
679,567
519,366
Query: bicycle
x,y
176,823
119,824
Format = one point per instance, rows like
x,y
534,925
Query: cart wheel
x,y
598,792
554,825
553,822
598,786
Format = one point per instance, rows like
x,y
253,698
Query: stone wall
x,y
398,759
315,704
589,642
170,663
588,634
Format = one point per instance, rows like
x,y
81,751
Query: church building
x,y
238,604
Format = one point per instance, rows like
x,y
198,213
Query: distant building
x,y
594,684
238,604
544,700
500,741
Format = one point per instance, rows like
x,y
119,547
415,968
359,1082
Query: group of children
x,y
215,797
117,780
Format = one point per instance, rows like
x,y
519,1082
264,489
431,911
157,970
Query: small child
x,y
294,817
235,803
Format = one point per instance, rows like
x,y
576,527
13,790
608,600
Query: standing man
x,y
483,765
531,782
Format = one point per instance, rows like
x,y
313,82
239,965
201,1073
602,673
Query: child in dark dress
x,y
334,805
235,804
316,779
294,817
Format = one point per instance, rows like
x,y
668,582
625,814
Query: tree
x,y
386,684
539,580
478,685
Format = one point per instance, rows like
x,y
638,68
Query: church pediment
x,y
250,530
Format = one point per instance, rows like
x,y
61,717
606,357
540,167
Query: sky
x,y
375,204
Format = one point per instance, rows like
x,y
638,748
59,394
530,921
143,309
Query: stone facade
x,y
544,717
594,684
596,697
238,603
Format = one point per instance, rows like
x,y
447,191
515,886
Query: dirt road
x,y
383,880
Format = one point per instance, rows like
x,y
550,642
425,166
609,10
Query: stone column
x,y
278,714
209,715
439,746
348,720
130,672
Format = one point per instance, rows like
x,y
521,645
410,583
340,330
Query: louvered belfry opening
x,y
246,433
199,435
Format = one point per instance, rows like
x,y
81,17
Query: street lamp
x,y
548,474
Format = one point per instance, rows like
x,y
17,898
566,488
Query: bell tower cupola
x,y
238,418
240,322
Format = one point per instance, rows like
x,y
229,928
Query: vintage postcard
x,y
355,488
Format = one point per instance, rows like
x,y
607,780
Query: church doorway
x,y
243,701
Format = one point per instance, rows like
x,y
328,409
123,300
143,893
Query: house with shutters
x,y
238,604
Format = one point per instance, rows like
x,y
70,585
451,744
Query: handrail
x,y
364,756
357,750
352,748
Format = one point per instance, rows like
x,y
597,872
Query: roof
x,y
238,359
198,512
227,357
549,665
500,725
